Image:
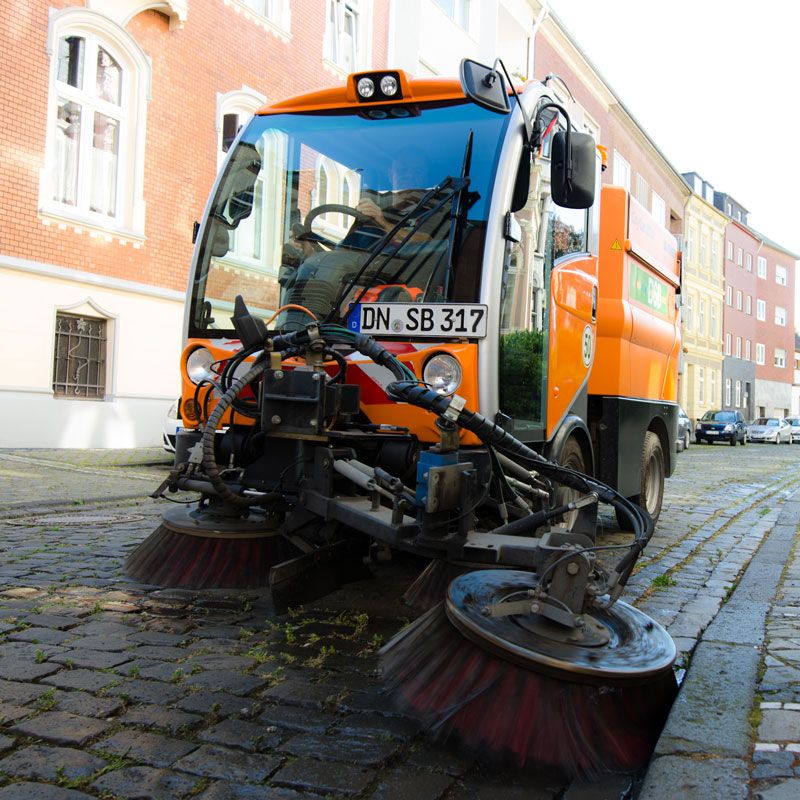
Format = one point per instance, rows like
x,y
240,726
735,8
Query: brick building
x,y
118,113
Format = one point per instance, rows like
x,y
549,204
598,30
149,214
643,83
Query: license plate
x,y
419,320
712,433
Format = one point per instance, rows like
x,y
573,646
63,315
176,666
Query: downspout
x,y
542,16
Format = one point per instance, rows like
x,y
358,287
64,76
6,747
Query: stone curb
x,y
704,750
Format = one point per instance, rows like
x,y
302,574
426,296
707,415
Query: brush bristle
x,y
504,713
178,560
430,587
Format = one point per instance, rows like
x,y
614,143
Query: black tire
x,y
744,438
698,440
733,440
651,480
583,520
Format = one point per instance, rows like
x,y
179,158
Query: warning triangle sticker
x,y
616,245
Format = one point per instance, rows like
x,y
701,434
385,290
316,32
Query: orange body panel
x,y
571,292
638,331
368,375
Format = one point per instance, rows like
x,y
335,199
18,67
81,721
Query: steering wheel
x,y
330,208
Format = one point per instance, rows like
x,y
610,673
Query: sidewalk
x,y
734,731
37,480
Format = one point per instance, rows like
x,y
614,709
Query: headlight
x,y
728,428
198,365
442,373
366,87
389,85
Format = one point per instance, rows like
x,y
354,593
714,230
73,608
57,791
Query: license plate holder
x,y
420,320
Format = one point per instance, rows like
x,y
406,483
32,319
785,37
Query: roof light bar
x,y
377,87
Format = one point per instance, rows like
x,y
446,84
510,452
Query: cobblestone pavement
x,y
110,688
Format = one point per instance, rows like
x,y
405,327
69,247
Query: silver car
x,y
795,423
770,429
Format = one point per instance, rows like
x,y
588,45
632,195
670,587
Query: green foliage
x,y
663,581
520,376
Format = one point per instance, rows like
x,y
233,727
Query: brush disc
x,y
521,709
189,551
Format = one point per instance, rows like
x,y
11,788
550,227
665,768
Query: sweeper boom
x,y
411,276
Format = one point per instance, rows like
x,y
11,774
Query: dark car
x,y
725,426
684,431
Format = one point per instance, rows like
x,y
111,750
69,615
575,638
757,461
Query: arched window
x,y
94,164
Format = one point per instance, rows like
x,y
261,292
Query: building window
x,y
658,208
780,276
761,353
344,35
701,317
729,296
234,110
714,253
622,172
739,256
689,312
703,250
713,322
727,391
94,159
780,316
79,360
738,394
727,344
761,310
762,267
780,357
690,244
642,190
457,10
748,305
701,385
749,262
738,300
747,349
729,250
738,347
712,386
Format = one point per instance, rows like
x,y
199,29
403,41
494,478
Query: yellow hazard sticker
x,y
616,245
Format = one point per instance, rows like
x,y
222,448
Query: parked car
x,y
770,429
721,426
172,423
684,431
795,423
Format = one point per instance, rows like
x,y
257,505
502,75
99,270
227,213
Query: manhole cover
x,y
72,520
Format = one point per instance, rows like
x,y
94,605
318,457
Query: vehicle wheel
x,y
698,440
733,440
651,480
582,520
744,438
686,438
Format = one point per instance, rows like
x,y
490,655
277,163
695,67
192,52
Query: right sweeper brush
x,y
521,689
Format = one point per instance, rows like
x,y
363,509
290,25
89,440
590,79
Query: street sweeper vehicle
x,y
398,339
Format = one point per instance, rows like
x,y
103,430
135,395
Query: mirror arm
x,y
525,117
567,138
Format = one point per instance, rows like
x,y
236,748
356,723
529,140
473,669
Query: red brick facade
x,y
217,50
776,295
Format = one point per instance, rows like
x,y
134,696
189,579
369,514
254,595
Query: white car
x,y
770,429
172,424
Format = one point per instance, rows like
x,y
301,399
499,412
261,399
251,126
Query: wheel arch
x,y
658,427
573,426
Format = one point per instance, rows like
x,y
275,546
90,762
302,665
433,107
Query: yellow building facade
x,y
703,296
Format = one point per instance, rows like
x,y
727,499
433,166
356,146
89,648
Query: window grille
x,y
79,362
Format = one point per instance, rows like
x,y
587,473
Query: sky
x,y
716,85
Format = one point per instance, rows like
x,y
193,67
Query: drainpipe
x,y
542,16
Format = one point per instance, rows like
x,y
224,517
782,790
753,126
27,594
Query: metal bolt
x,y
535,608
312,423
572,568
315,376
276,420
278,374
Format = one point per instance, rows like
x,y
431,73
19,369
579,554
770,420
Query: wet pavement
x,y
110,688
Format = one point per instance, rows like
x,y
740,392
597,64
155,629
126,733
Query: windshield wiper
x,y
449,188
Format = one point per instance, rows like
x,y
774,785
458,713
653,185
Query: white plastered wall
x,y
142,374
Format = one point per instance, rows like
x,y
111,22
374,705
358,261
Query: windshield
x,y
307,200
770,422
719,416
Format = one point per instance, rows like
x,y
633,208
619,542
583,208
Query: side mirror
x,y
484,86
575,190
